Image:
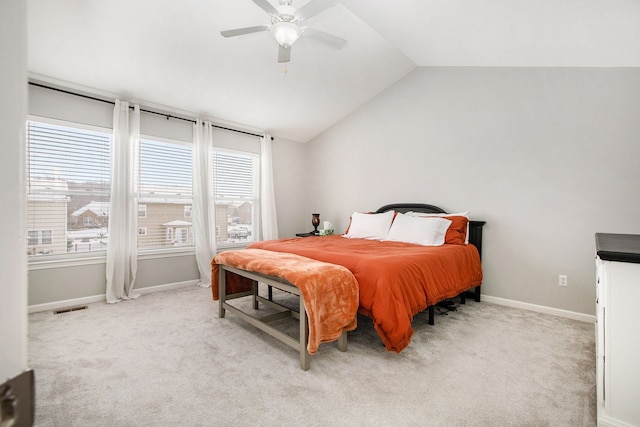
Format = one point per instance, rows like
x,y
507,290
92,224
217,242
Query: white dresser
x,y
618,329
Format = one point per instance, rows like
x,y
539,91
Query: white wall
x,y
13,111
289,178
547,156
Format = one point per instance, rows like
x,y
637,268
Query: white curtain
x,y
122,262
269,224
203,218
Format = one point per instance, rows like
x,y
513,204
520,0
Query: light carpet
x,y
166,359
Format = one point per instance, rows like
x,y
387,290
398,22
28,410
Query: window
x,y
67,188
236,199
165,192
32,237
46,237
182,235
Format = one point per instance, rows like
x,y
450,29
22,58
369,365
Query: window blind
x,y
164,195
236,196
67,189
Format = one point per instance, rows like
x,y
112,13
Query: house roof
x,y
98,208
110,47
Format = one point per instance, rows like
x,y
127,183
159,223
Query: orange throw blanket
x,y
330,291
397,280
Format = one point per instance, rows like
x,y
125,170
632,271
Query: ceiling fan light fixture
x,y
286,33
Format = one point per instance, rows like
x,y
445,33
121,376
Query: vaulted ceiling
x,y
170,53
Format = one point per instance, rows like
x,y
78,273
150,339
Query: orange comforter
x,y
329,291
396,280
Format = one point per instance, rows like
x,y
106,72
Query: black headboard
x,y
475,227
411,207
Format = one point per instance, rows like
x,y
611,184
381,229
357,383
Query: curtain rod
x,y
168,116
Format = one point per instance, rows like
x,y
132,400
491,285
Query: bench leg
x,y
305,361
254,290
342,341
222,290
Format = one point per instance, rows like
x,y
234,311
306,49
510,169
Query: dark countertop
x,y
618,247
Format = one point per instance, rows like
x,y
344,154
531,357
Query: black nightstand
x,y
307,234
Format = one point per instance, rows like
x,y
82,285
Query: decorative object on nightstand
x,y
327,229
315,221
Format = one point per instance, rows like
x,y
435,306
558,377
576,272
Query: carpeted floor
x,y
167,360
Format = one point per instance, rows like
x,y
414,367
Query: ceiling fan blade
x,y
314,7
243,31
330,39
267,7
284,54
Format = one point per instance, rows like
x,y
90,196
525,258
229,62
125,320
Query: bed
x,y
395,279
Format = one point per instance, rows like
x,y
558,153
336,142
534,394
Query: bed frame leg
x,y
463,298
342,341
432,315
222,290
305,361
477,294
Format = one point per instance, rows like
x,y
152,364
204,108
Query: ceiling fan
x,y
285,25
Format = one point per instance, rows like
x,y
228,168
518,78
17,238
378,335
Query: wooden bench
x,y
263,323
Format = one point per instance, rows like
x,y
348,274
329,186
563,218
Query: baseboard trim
x,y
541,309
55,305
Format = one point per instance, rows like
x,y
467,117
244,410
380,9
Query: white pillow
x,y
440,215
370,226
425,231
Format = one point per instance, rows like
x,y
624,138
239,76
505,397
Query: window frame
x,y
69,259
169,250
256,199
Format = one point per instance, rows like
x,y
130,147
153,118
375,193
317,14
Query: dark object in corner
x,y
17,400
444,307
